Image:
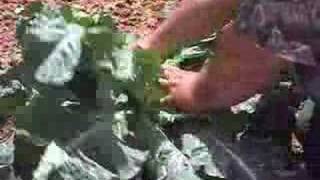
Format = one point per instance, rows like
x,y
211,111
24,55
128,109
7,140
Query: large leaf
x,y
58,164
101,145
199,156
60,64
53,47
167,162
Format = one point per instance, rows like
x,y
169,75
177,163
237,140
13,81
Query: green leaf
x,y
62,49
100,40
13,94
167,162
67,14
148,62
166,117
78,16
58,68
124,67
104,20
45,29
189,56
100,144
82,18
199,156
34,7
120,123
192,54
56,163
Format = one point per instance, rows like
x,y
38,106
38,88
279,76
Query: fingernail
x,y
166,100
163,82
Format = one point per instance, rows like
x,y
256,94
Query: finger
x,y
167,82
164,85
168,71
164,82
169,67
167,101
163,71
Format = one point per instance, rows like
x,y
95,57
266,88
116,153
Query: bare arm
x,y
240,69
193,20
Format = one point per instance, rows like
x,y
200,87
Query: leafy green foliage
x,y
199,156
65,57
80,167
53,44
12,95
192,54
87,55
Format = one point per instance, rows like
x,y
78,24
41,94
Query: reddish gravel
x,y
135,16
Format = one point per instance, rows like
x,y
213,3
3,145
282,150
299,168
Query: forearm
x,y
240,69
193,20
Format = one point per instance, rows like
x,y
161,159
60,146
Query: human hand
x,y
185,89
